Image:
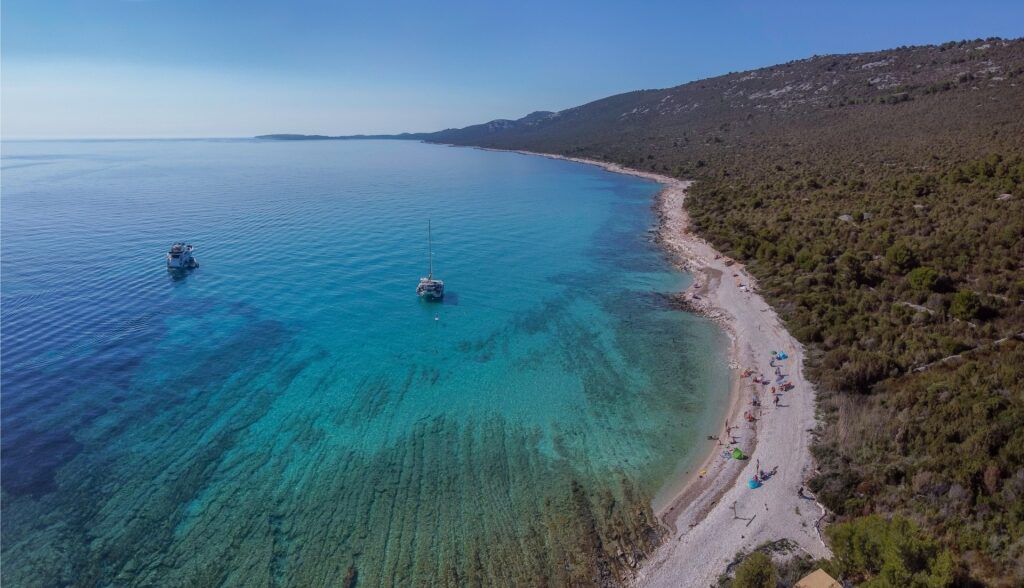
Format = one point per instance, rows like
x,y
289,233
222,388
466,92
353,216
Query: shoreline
x,y
713,514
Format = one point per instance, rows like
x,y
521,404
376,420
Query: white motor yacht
x,y
180,257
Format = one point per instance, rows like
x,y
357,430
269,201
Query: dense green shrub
x,y
756,571
945,446
923,279
876,553
902,257
965,305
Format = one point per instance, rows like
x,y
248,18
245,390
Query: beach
x,y
715,514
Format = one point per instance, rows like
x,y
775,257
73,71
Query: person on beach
x,y
776,400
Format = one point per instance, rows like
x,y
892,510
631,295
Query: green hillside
x,y
879,200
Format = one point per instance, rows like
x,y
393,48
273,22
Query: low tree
x,y
902,257
966,305
756,571
878,553
923,279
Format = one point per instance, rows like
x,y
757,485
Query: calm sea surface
x,y
290,413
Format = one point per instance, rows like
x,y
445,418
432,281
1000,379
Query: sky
x,y
210,68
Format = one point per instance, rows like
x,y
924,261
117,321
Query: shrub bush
x,y
756,571
879,553
923,279
965,306
902,257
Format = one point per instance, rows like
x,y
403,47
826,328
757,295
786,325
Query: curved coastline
x,y
714,514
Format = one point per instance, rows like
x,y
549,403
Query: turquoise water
x,y
290,413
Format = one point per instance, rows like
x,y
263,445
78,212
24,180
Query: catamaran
x,y
429,288
180,257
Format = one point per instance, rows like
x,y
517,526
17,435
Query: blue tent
x,y
782,355
753,483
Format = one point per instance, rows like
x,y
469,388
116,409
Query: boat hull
x,y
182,265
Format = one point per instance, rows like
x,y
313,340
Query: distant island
x,y
494,126
299,137
877,200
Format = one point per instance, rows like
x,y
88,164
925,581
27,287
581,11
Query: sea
x,y
289,413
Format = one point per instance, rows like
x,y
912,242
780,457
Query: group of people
x,y
781,385
762,476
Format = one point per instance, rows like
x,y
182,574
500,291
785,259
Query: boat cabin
x,y
180,257
430,289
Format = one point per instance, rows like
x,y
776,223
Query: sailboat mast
x,y
430,254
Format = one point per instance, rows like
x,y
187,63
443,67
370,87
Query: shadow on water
x,y
31,458
449,299
45,405
176,275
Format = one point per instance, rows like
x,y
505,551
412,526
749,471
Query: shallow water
x,y
290,413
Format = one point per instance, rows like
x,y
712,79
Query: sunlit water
x,y
290,413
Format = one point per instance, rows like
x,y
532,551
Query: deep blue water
x,y
289,412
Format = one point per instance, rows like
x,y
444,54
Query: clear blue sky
x,y
173,68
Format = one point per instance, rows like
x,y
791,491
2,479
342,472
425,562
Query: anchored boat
x,y
429,288
180,257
